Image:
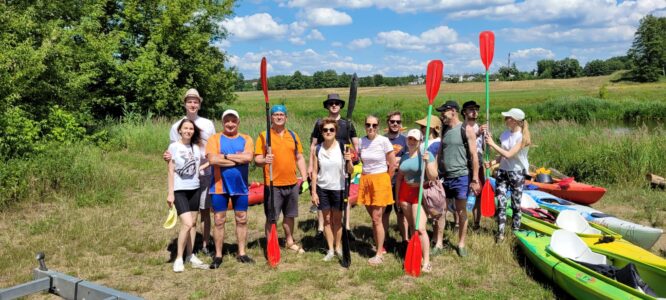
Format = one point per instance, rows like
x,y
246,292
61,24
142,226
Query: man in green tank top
x,y
458,162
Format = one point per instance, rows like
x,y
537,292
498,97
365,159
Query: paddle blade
x,y
273,248
346,251
487,47
264,79
352,96
414,256
487,200
434,79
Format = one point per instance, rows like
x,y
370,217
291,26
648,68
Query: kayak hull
x,y
580,193
643,236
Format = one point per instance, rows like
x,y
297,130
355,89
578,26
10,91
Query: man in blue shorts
x,y
230,154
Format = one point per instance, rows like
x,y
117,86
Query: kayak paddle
x,y
272,245
346,251
487,47
414,255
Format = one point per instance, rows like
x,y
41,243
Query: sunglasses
x,y
336,103
369,125
395,121
327,130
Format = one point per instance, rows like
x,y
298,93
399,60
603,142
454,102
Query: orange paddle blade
x,y
487,200
413,256
273,248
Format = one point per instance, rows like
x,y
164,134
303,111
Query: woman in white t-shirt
x,y
328,185
375,190
184,192
515,142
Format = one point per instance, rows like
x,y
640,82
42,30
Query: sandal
x,y
295,248
376,260
427,268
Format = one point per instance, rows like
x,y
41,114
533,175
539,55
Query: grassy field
x,y
97,214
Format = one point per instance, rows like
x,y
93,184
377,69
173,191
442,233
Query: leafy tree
x,y
648,51
378,79
509,73
545,68
596,67
240,82
318,80
296,81
330,79
567,68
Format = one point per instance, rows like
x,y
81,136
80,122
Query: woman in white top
x,y
515,142
184,192
329,183
375,187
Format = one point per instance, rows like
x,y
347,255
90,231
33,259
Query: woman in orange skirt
x,y
375,191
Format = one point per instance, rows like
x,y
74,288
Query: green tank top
x,y
455,154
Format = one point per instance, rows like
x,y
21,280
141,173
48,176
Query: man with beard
x,y
399,142
470,111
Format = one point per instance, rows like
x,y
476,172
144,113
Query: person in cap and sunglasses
x,y
192,103
230,153
512,158
286,157
399,142
458,164
345,133
374,190
470,112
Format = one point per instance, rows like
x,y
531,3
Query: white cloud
x,y
359,44
462,48
325,17
315,35
253,27
429,41
402,6
532,53
337,44
558,35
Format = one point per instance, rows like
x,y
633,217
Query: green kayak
x,y
580,281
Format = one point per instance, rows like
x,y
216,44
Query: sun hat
x,y
415,133
448,105
515,113
192,93
171,218
435,123
333,97
279,108
230,112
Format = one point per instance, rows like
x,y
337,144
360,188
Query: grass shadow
x,y
227,249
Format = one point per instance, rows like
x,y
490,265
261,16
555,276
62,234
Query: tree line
x,y
323,79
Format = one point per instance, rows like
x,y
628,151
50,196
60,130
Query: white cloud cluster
x,y
325,17
430,40
533,53
399,6
555,34
254,27
359,44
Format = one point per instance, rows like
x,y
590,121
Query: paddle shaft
x,y
487,120
425,148
270,166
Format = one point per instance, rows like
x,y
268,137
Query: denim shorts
x,y
456,187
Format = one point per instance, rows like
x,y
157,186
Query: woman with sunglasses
x,y
374,191
408,181
512,158
328,184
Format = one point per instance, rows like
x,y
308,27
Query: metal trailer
x,y
62,285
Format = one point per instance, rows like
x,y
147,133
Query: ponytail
x,y
527,139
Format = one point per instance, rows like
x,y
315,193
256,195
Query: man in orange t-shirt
x,y
286,156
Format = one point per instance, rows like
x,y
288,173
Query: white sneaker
x,y
196,263
178,265
329,255
338,252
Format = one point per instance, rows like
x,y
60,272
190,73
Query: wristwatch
x,y
225,156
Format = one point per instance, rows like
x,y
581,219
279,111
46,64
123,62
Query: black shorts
x,y
329,199
187,200
286,201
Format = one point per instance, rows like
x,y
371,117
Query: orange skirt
x,y
375,190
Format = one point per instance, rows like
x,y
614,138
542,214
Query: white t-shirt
x,y
207,129
373,154
186,159
331,174
519,161
430,142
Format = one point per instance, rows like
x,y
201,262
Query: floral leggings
x,y
514,181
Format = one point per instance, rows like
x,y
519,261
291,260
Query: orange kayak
x,y
580,193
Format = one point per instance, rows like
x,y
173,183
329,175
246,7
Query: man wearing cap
x,y
230,154
399,142
458,148
286,156
470,112
346,131
192,102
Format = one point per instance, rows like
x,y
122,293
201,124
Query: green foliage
x,y
596,67
648,51
19,134
583,109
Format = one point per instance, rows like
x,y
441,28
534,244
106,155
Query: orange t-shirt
x,y
229,180
284,161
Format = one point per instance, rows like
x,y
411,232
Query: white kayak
x,y
643,236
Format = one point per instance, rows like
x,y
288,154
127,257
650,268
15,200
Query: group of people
x,y
208,170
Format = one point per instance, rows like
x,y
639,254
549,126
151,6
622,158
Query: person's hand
x,y
483,129
489,138
315,199
426,156
476,187
170,199
486,164
166,156
269,158
304,185
348,156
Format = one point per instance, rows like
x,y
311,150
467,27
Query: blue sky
x,y
399,37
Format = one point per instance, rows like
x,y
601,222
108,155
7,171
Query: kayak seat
x,y
572,221
527,202
568,244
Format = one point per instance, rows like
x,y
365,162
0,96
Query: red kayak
x,y
571,190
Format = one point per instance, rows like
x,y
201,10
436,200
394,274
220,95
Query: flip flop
x,y
295,248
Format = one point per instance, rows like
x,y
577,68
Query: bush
x,y
582,109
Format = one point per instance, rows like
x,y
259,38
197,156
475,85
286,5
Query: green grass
x,y
97,211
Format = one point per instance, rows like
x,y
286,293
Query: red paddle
x,y
487,47
272,245
414,254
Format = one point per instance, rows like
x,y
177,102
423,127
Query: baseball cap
x,y
448,105
230,112
515,113
415,133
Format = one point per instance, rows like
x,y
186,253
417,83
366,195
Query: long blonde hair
x,y
527,138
